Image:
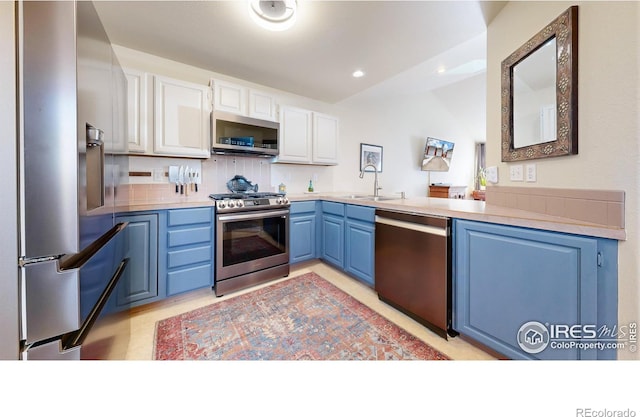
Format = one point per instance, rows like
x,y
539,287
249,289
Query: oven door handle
x,y
250,216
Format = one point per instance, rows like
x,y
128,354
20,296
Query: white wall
x,y
401,125
608,130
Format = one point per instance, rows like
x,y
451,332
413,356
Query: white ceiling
x,y
316,57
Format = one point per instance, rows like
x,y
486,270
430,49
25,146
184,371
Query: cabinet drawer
x,y
333,208
189,279
189,256
366,214
303,207
190,216
189,236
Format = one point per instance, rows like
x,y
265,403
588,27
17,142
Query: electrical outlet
x,y
158,175
530,172
491,174
516,173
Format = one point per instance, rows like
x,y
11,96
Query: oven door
x,y
250,242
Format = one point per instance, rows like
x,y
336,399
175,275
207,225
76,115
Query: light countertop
x,y
477,211
447,207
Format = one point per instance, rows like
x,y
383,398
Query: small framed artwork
x,y
370,155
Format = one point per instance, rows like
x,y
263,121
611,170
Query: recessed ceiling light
x,y
442,70
358,73
273,15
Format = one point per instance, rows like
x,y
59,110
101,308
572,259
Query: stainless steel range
x,y
252,239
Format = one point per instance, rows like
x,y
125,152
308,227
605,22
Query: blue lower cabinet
x,y
348,239
139,283
359,250
532,294
303,238
303,231
188,260
333,240
187,279
360,242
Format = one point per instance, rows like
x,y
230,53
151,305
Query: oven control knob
x,y
232,204
279,200
240,203
222,204
285,200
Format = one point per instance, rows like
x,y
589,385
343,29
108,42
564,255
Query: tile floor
x,y
143,319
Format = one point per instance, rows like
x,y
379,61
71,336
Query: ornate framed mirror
x,y
540,93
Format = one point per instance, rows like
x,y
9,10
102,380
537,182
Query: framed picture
x,y
370,155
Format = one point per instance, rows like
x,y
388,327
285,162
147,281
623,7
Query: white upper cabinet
x,y
237,99
139,121
261,105
181,115
325,139
229,97
295,135
307,137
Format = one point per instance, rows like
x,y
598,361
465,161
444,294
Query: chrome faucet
x,y
376,188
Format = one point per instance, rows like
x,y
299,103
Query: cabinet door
x,y
137,110
229,97
119,108
333,240
302,238
140,279
359,250
295,135
181,118
506,277
261,105
325,139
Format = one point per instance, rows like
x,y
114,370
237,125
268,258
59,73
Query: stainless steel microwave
x,y
236,134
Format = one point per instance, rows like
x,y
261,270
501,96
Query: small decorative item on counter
x,y
310,189
282,188
240,184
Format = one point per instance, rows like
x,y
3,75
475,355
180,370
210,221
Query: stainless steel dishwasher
x,y
413,267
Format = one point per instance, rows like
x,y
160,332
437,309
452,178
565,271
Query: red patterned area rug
x,y
303,318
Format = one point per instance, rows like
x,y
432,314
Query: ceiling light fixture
x,y
358,73
273,15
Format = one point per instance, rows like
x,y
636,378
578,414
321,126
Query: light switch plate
x,y
491,174
158,175
530,172
516,173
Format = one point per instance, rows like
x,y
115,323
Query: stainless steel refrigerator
x,y
71,118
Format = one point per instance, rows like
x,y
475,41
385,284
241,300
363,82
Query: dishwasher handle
x,y
432,230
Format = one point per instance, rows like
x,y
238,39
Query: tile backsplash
x,y
605,207
215,172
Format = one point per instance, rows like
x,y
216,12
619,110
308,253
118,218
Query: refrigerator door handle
x,y
76,261
76,338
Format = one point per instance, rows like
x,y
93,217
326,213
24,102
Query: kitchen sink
x,y
354,196
378,198
368,197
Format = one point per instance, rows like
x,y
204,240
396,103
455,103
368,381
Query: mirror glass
x,y
534,97
540,93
